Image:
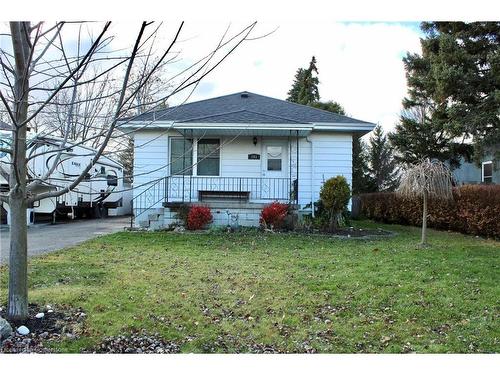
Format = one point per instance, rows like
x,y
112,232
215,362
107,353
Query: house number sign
x,y
253,157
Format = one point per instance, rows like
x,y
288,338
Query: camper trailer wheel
x,y
79,213
99,211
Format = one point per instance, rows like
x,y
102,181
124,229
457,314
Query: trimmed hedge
x,y
474,210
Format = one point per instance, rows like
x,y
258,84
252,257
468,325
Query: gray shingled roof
x,y
246,107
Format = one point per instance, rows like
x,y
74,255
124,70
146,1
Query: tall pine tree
x,y
305,86
417,137
457,81
305,90
382,168
362,182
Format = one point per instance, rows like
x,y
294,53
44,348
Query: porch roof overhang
x,y
249,130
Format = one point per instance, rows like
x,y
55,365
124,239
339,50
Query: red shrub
x,y
474,210
198,217
273,215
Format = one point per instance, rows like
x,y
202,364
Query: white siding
x,y
234,158
332,157
150,158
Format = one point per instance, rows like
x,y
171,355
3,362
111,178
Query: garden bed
x,y
349,232
57,324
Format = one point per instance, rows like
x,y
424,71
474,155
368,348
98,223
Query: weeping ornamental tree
x,y
426,179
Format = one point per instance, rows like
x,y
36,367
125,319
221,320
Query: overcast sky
x,y
360,64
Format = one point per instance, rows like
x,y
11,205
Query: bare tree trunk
x,y
18,257
424,221
334,221
18,262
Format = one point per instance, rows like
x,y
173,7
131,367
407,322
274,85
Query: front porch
x,y
235,174
233,200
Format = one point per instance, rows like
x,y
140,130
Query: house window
x,y
274,155
112,180
181,156
487,172
208,157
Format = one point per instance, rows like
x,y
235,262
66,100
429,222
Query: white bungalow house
x,y
235,154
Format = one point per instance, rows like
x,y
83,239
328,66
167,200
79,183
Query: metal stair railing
x,y
148,198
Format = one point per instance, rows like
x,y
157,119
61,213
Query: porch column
x,y
290,180
297,191
183,163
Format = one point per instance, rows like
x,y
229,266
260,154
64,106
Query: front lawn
x,y
251,292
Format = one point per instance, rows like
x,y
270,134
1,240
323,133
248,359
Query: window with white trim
x,y
181,156
487,172
274,156
208,157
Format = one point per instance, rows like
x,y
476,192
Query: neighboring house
x,y
470,173
236,153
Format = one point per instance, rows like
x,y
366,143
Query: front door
x,y
275,182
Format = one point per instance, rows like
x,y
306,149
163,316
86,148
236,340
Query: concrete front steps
x,y
152,219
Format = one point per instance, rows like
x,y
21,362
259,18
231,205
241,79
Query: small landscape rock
x,y
23,330
39,315
5,329
385,339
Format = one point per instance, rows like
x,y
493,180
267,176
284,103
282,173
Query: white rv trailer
x,y
99,191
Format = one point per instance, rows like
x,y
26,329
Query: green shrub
x,y
334,196
474,210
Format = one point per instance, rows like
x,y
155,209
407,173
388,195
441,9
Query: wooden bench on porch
x,y
210,195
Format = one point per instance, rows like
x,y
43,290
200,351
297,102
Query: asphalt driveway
x,y
44,238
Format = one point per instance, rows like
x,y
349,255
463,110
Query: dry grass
x,y
219,292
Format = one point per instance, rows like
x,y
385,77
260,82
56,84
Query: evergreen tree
x,y
305,86
305,90
361,179
382,163
330,106
417,137
457,81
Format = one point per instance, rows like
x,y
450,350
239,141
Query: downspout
x,y
312,174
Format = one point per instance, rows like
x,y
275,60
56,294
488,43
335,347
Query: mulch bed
x,y
60,323
136,343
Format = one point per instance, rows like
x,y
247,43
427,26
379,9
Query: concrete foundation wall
x,y
245,215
